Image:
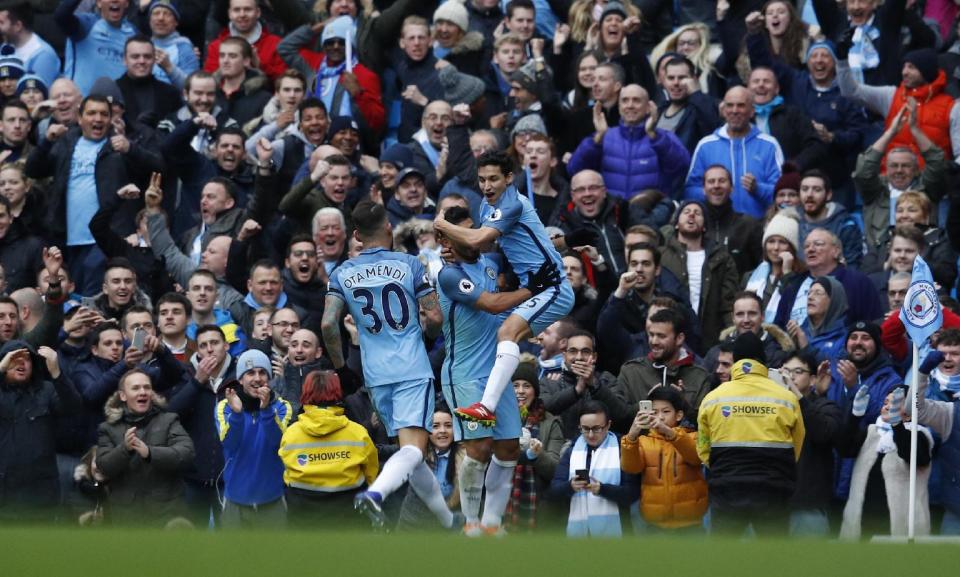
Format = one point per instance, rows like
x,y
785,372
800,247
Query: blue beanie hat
x,y
168,4
826,45
33,81
398,155
253,359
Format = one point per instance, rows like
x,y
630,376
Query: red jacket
x,y
933,115
894,334
369,100
270,62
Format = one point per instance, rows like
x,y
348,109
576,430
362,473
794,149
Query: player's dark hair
x,y
369,219
496,158
456,214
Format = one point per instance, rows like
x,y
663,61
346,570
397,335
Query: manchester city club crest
x,y
921,304
491,273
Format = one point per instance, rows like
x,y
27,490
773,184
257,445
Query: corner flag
x,y
921,313
921,316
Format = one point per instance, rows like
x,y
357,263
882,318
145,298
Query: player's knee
x,y
512,329
480,449
507,450
413,452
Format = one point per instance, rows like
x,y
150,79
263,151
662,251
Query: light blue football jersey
x,y
381,288
523,239
469,334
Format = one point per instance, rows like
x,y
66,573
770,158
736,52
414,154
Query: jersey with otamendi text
x,y
523,239
381,289
469,334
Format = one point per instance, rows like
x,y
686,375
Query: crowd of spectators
x,y
739,191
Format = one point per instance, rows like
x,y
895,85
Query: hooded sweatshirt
x,y
326,452
757,154
827,339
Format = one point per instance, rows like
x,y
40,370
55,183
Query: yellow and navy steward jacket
x,y
326,452
750,431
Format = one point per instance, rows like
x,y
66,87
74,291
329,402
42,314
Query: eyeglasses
x,y
796,371
815,244
578,352
688,43
593,430
589,187
286,324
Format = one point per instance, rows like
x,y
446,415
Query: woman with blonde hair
x,y
585,14
692,41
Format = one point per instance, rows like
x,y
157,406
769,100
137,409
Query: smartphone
x,y
583,475
645,406
138,336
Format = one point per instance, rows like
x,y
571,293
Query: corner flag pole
x,y
912,510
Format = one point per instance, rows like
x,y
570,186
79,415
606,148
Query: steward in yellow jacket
x,y
324,451
750,436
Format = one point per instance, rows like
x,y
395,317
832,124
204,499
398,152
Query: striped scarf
x,y
863,54
592,515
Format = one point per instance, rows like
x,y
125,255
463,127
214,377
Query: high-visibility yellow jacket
x,y
326,452
750,431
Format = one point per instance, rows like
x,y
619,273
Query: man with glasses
x,y
283,324
589,475
822,252
825,422
578,383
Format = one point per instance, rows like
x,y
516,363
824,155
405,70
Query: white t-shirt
x,y
695,260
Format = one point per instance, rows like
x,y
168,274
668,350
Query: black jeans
x,y
733,509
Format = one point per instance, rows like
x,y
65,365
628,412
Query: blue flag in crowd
x,y
920,312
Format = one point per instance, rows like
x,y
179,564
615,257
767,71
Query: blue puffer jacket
x,y
630,162
757,154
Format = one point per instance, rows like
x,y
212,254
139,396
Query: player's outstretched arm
x,y
481,237
330,327
547,276
432,315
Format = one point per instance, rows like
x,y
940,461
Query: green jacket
x,y
875,190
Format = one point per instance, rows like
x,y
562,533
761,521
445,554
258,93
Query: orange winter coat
x,y
933,106
674,491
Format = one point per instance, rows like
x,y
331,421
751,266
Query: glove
x,y
860,401
547,276
896,407
934,358
845,43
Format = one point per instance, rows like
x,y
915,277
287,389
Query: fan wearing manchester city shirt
x,y
384,292
510,218
471,305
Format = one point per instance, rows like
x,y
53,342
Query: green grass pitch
x,y
142,553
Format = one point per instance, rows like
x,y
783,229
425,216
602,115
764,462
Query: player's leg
x,y
398,468
478,447
513,329
506,451
422,480
529,318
